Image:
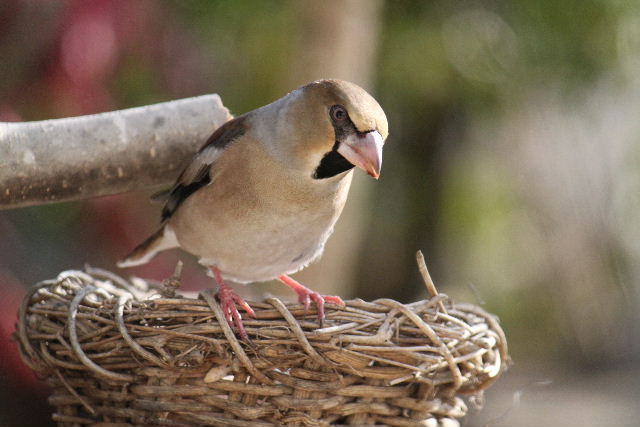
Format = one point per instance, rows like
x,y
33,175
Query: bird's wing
x,y
198,173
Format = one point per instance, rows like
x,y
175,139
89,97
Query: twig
x,y
171,284
431,288
74,393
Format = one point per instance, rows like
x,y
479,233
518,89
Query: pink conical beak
x,y
364,151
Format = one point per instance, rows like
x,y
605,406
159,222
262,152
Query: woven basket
x,y
119,352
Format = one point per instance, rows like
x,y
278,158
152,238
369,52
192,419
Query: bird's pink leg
x,y
306,295
229,300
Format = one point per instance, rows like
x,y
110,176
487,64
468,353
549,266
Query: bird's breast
x,y
257,234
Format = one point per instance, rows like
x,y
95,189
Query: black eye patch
x,y
341,122
338,114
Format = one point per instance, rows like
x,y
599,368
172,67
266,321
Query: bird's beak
x,y
364,151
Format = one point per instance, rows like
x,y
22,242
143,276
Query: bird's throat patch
x,y
332,164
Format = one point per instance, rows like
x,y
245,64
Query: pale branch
x,y
87,156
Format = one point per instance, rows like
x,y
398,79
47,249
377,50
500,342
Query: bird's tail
x,y
162,239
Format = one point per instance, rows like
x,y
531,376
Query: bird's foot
x,y
306,296
229,302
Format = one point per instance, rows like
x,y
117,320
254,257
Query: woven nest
x,y
119,352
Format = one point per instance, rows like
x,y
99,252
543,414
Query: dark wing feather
x,y
161,196
198,173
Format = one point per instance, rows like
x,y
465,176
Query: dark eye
x,y
338,113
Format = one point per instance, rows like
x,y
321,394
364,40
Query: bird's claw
x,y
306,295
230,301
305,299
334,299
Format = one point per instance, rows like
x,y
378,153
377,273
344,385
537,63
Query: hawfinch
x,y
260,199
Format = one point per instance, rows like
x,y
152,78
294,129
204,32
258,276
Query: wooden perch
x,y
87,156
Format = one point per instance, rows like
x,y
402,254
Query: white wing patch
x,y
200,164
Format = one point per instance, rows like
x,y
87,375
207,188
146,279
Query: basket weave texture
x,y
118,352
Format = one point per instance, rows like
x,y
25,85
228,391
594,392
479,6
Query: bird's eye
x,y
338,113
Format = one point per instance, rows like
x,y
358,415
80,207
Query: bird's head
x,y
332,126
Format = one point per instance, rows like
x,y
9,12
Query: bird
x,y
260,198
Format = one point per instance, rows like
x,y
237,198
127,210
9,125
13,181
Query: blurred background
x,y
513,163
